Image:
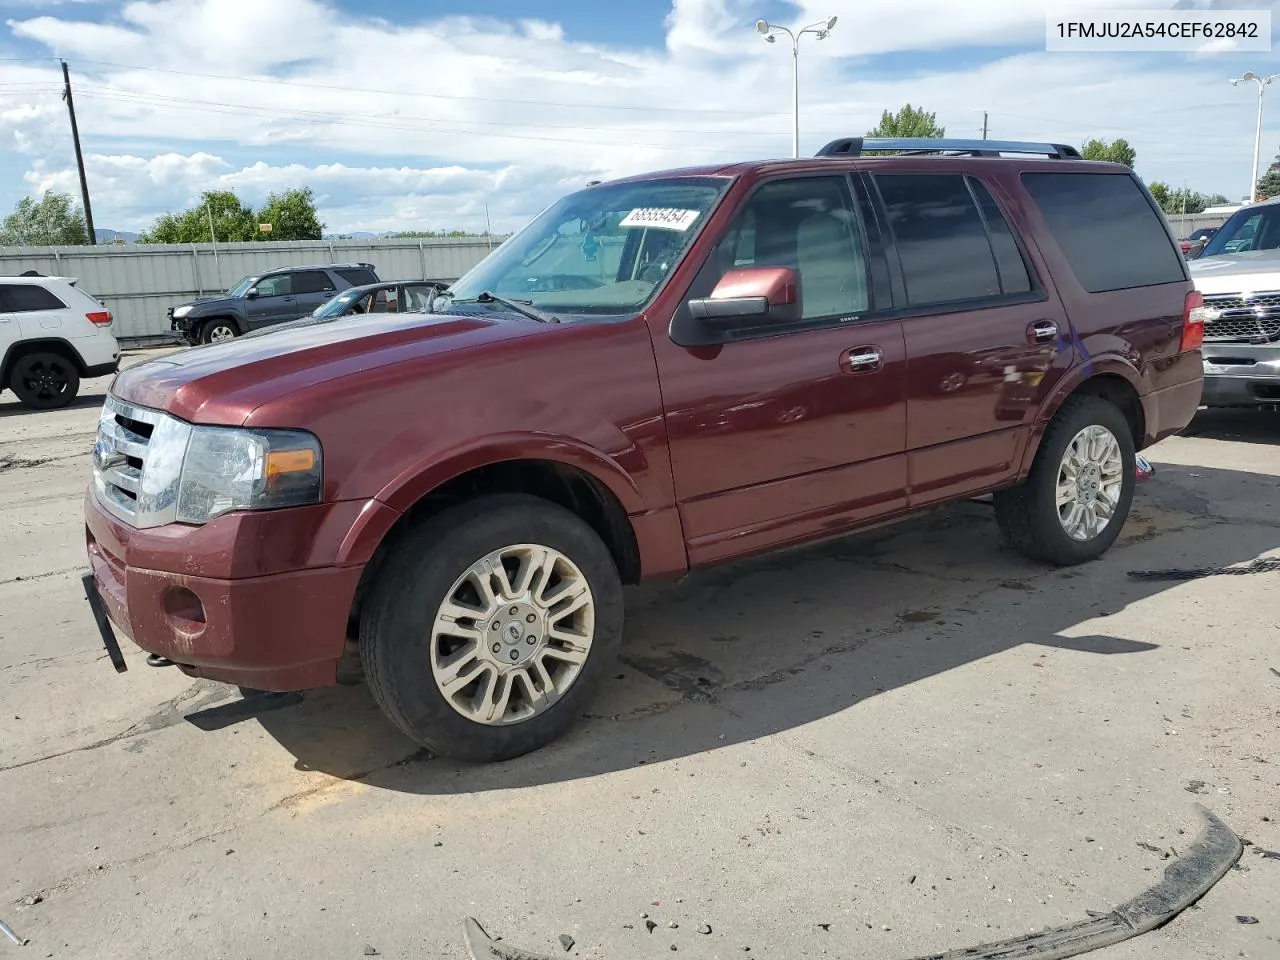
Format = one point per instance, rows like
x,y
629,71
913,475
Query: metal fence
x,y
139,282
1185,225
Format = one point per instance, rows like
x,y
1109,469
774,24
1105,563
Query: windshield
x,y
241,285
604,250
1253,228
339,303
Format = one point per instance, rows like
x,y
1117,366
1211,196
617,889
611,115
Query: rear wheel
x,y
213,331
489,627
1076,499
45,380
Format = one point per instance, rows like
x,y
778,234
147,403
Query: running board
x,y
1185,881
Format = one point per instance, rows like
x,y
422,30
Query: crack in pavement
x,y
78,568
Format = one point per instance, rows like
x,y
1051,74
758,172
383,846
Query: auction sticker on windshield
x,y
665,218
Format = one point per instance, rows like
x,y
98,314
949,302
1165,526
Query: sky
x,y
432,114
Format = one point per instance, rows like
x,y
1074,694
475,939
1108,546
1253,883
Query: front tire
x,y
45,380
1076,499
215,331
489,627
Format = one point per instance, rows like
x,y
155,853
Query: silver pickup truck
x,y
1239,276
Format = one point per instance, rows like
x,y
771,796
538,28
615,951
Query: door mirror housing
x,y
251,293
750,296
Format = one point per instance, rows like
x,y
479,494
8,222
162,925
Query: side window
x,y
277,286
942,242
1110,233
357,276
417,296
27,297
380,302
807,224
1014,277
312,281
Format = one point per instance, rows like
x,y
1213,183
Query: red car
x,y
659,373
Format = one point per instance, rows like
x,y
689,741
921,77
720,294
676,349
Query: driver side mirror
x,y
749,296
251,293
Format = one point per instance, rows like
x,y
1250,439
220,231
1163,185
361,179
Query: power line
x,y
436,96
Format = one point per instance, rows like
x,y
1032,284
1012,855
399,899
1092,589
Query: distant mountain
x,y
111,236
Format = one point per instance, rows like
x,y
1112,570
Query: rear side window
x,y
357,277
1111,235
942,241
311,281
26,297
1014,277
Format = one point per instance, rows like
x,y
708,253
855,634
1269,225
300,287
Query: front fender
x,y
431,472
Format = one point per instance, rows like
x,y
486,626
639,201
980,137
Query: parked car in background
x,y
52,335
1239,277
260,300
1193,245
402,296
659,373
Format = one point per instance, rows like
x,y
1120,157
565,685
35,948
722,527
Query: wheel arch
x,y
1111,379
201,322
24,347
567,484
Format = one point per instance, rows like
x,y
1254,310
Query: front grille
x,y
120,459
1246,317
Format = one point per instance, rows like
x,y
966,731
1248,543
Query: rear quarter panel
x,y
1135,334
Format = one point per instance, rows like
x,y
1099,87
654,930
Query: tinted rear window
x,y
25,297
1111,235
311,281
357,277
941,238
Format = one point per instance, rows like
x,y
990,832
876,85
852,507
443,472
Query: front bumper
x,y
1241,374
182,326
281,627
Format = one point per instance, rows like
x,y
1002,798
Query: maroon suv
x,y
657,374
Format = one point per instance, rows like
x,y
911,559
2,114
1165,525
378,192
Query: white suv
x,y
51,335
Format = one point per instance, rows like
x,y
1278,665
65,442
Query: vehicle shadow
x,y
87,399
765,646
1242,424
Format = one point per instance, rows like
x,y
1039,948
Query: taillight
x,y
1194,314
100,318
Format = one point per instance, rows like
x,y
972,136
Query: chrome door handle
x,y
861,359
1042,331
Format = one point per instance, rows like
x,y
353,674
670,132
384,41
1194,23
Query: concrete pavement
x,y
895,744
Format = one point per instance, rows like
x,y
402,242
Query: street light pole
x,y
1263,83
769,31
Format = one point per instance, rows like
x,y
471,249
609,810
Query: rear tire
x,y
45,380
215,331
490,679
1073,504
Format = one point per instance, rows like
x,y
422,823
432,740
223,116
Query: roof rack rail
x,y
857,146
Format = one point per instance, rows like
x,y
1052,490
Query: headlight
x,y
229,469
181,312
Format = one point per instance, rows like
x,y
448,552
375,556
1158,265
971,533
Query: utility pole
x,y
75,138
984,124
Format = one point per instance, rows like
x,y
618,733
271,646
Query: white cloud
x,y
421,124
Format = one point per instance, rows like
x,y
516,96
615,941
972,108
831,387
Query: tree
x,y
219,210
1114,151
1177,202
1160,191
1216,200
1269,185
53,220
292,216
908,122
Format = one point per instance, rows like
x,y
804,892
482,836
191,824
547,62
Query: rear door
x,y
310,289
787,432
986,340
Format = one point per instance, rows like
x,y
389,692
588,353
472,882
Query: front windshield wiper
x,y
523,307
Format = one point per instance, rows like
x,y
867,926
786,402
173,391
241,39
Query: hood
x,y
1251,271
219,301
225,382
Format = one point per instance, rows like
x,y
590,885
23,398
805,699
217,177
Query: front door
x,y
274,303
788,433
986,341
10,333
